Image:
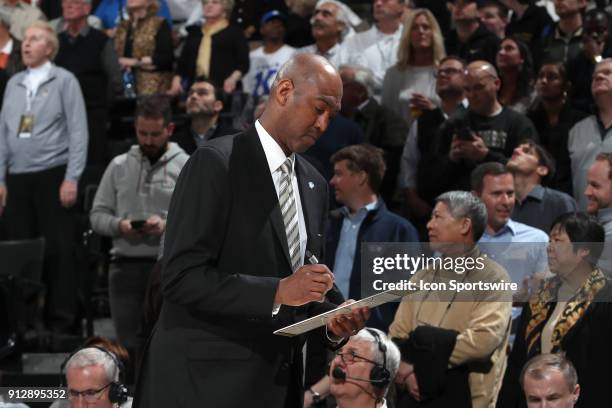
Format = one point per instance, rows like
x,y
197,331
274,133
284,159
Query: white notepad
x,y
321,320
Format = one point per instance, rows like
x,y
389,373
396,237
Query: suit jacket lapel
x,y
262,182
309,199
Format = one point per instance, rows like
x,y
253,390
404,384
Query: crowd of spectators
x,y
475,122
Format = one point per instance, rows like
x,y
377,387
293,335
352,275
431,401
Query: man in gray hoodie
x,y
131,205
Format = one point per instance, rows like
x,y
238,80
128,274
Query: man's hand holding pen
x,y
309,283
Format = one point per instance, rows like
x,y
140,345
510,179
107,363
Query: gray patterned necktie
x,y
289,212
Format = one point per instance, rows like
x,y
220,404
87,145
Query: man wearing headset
x,y
92,376
360,373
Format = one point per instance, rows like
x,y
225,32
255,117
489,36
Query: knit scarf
x,y
205,51
574,309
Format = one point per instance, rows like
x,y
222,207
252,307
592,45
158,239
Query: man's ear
x,y
542,171
170,128
283,90
218,106
466,226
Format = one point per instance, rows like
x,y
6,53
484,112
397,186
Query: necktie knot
x,y
287,165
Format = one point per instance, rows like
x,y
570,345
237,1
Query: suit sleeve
x,y
197,223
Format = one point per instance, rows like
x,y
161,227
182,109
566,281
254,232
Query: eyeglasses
x,y
352,357
448,72
88,395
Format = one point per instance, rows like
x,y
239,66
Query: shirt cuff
x,y
275,309
332,337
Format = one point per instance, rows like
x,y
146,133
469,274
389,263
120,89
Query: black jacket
x,y
482,45
230,52
586,345
226,250
429,348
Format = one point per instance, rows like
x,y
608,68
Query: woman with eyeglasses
x,y
409,86
553,118
515,67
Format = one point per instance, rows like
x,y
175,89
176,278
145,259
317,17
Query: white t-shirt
x,y
379,57
258,80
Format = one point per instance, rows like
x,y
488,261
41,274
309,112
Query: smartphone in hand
x,y
137,224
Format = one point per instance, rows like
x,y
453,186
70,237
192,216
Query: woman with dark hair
x,y
570,313
553,118
515,66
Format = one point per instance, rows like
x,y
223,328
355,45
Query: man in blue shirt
x,y
358,174
519,248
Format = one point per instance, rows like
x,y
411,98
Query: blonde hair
x,y
228,5
405,51
50,34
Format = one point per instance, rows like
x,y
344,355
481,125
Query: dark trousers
x,y
97,119
33,209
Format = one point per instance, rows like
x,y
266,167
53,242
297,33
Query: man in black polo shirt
x,y
89,54
470,40
536,205
485,132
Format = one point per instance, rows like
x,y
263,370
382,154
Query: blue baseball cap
x,y
272,14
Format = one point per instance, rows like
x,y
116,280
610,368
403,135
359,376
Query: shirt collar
x,y
559,35
537,193
367,208
274,154
509,227
43,69
604,215
84,31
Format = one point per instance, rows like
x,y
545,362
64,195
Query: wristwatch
x,y
316,397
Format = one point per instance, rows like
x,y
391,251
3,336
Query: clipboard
x,y
321,320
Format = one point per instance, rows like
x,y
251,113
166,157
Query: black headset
x,y
379,375
117,392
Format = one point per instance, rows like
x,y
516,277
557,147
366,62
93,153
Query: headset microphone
x,y
340,374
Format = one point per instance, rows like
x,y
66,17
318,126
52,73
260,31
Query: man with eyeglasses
x,y
419,192
204,105
485,132
93,380
360,373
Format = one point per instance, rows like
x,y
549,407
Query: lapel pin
x,y
311,185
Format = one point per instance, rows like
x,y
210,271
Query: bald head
x,y
305,96
482,68
306,68
481,86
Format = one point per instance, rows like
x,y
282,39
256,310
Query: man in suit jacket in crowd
x,y
234,258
